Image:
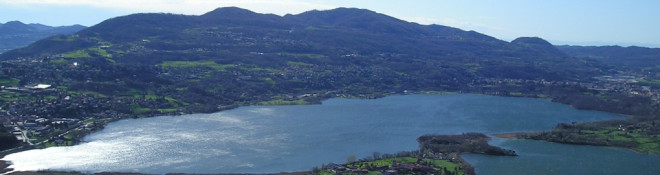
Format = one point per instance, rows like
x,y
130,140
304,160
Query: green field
x,y
191,64
438,165
9,81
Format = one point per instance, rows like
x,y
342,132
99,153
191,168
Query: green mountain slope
x,y
231,33
166,63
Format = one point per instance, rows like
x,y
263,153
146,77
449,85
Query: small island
x,y
438,154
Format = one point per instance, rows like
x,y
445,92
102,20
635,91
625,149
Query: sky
x,y
572,22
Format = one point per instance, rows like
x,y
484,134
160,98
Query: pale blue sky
x,y
576,22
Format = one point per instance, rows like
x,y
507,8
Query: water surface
x,y
539,157
262,139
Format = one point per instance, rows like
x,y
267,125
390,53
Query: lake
x,y
267,139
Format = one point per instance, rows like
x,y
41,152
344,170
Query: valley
x,y
60,89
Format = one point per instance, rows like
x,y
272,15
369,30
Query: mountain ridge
x,y
16,34
626,58
333,33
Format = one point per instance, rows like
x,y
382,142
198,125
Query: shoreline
x,y
319,101
516,136
513,135
4,167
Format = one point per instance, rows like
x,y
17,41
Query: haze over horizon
x,y
564,22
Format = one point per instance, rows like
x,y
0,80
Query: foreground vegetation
x,y
400,165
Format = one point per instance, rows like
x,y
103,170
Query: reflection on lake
x,y
258,139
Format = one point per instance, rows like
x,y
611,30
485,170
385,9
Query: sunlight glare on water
x,y
267,139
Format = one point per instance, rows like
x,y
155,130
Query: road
x,y
25,137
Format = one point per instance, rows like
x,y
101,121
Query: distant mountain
x,y
15,34
627,58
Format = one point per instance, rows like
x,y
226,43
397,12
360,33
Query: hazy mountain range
x,y
15,34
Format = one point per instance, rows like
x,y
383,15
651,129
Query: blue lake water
x,y
538,157
267,139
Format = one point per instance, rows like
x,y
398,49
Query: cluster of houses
x,y
24,127
619,84
40,118
38,87
396,168
623,84
366,166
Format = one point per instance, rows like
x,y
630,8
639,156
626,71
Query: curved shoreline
x,y
316,101
501,135
515,135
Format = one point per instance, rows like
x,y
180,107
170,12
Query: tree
x,y
376,155
350,159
